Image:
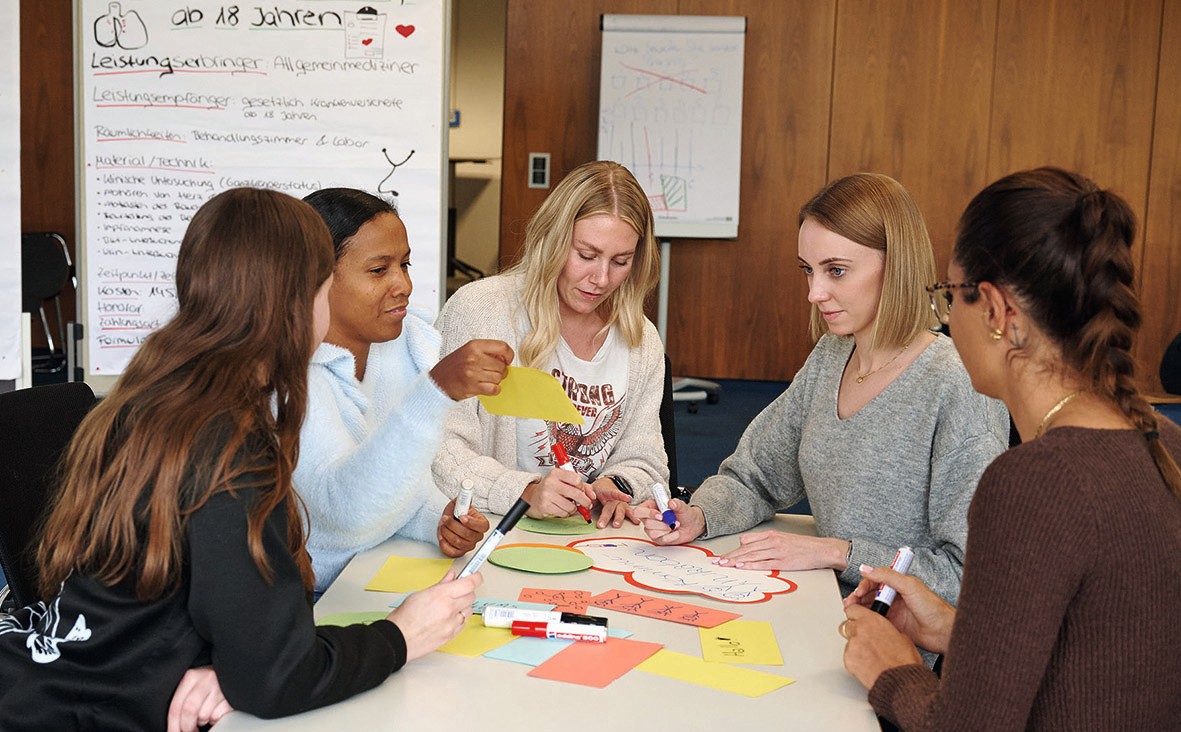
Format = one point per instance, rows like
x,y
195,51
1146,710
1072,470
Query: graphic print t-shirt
x,y
597,387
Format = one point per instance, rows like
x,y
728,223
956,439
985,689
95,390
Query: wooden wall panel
x,y
911,93
47,125
1075,87
551,97
1160,266
1075,84
737,308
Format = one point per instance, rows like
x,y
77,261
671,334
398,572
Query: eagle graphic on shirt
x,y
583,446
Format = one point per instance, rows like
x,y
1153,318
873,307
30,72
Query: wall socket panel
x,y
539,168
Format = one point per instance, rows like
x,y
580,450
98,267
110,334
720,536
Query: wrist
x,y
845,556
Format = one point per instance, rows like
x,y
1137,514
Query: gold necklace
x,y
862,377
1055,410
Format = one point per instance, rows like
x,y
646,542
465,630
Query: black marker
x,y
506,525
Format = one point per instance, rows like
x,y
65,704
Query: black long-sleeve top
x,y
95,657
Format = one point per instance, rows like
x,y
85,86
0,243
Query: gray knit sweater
x,y
900,471
483,447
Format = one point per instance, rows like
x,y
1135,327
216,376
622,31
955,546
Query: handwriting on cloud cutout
x,y
681,570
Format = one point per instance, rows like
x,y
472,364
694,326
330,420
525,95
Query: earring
x,y
996,334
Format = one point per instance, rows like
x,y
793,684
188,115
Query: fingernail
x,y
864,568
739,565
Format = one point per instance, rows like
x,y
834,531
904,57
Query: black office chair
x,y
1170,367
45,268
39,423
668,431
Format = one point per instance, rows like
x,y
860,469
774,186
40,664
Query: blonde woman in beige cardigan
x,y
573,307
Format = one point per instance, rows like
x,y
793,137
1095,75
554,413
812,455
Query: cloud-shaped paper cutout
x,y
685,570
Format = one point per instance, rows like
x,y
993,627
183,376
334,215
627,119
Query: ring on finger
x,y
843,629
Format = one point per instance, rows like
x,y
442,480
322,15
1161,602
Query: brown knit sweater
x,y
1067,616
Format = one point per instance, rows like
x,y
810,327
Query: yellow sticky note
x,y
475,639
733,679
741,641
533,394
407,574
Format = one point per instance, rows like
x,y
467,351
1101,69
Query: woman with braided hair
x,y
1058,624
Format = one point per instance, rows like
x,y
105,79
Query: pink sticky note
x,y
661,609
570,601
595,664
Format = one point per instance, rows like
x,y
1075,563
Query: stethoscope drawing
x,y
393,168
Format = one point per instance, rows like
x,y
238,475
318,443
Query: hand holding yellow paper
x,y
532,394
741,641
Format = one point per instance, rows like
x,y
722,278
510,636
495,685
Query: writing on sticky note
x,y
570,601
660,609
532,394
741,641
407,574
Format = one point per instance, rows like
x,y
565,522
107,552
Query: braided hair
x,y
1063,246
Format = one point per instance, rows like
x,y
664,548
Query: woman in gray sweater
x,y
881,430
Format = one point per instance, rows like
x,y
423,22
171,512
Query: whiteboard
x,y
670,110
179,101
10,197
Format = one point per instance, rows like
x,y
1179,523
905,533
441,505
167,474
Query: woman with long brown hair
x,y
176,539
1063,621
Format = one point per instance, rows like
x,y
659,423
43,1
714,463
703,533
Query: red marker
x,y
562,460
561,631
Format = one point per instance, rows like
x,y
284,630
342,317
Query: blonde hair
x,y
877,212
592,189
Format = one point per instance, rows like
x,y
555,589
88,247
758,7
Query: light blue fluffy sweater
x,y
366,448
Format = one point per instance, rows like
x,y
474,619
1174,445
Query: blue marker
x,y
660,493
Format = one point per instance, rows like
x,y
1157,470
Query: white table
x,y
442,691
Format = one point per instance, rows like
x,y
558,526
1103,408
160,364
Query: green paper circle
x,y
541,560
570,525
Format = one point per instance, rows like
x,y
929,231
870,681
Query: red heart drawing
x,y
366,42
404,30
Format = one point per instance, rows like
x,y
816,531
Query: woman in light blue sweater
x,y
378,397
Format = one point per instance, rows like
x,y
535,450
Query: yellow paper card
x,y
407,574
741,641
734,679
476,640
532,394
